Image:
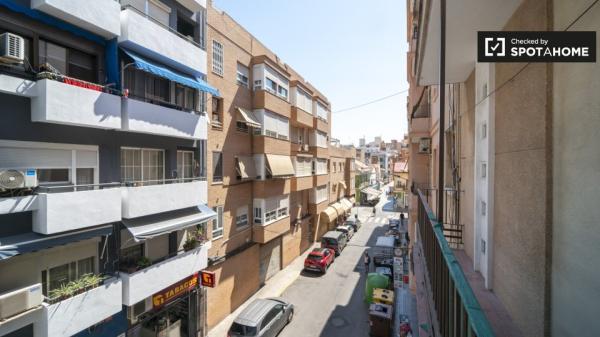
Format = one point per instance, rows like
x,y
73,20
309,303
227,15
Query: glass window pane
x,y
55,56
58,276
85,266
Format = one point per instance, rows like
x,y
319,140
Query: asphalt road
x,y
332,305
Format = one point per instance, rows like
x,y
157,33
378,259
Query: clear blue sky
x,y
352,51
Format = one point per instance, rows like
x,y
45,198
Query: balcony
x,y
68,101
302,183
164,196
99,16
79,312
268,232
154,119
265,100
271,145
146,282
57,212
320,124
319,152
148,37
321,179
301,118
272,187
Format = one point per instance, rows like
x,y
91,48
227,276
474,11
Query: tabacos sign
x,y
542,46
168,294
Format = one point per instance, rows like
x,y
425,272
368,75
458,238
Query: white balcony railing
x,y
73,104
139,201
99,16
146,282
147,37
79,312
156,119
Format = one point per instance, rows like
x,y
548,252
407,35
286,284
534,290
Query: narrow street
x,y
332,305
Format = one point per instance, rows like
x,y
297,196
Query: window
x,y
283,92
217,61
242,75
274,208
157,90
257,215
304,100
303,166
241,217
319,194
322,111
185,27
217,112
241,126
131,255
217,223
270,316
320,139
53,176
142,165
217,167
56,277
187,165
271,86
66,61
185,98
273,125
483,170
321,166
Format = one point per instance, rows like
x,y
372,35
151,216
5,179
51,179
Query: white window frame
x,y
217,223
183,164
142,149
322,111
241,217
241,78
218,57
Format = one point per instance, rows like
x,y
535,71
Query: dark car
x,y
354,223
319,259
262,318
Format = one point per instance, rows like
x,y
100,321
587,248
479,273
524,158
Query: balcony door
x,y
483,177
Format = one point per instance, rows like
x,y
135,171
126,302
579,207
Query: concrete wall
x,y
467,137
576,188
520,178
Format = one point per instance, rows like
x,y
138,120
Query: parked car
x,y
334,240
262,318
319,259
354,223
348,230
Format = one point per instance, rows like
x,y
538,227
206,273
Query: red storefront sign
x,y
168,294
208,279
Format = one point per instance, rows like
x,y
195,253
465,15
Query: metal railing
x,y
60,188
457,310
453,229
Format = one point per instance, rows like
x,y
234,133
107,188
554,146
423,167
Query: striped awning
x,y
346,204
329,213
338,208
247,117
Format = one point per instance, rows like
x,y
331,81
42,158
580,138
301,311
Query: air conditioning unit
x,y
425,145
304,147
135,311
12,48
15,179
18,301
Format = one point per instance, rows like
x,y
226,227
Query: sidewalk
x,y
274,287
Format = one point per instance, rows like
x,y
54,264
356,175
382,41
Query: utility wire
x,y
371,102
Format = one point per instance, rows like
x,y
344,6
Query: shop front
x,y
172,312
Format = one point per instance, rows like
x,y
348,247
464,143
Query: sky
x,y
352,51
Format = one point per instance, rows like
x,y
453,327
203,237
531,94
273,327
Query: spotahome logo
x,y
536,46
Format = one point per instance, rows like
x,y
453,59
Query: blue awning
x,y
149,226
162,71
32,242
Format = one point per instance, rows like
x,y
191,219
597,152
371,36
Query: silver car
x,y
262,318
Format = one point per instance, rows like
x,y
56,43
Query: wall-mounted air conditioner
x,y
12,48
425,145
18,301
304,147
15,179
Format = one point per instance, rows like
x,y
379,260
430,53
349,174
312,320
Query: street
x,y
332,305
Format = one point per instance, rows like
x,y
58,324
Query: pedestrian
x,y
356,216
367,261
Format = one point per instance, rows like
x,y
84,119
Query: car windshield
x,y
314,257
329,241
243,330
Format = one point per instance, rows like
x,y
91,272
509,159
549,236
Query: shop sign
x,y
167,295
208,278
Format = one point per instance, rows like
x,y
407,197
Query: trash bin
x,y
383,296
380,320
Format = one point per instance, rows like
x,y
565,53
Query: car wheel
x,y
290,316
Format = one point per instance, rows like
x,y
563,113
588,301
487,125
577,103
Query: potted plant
x,y
143,262
190,243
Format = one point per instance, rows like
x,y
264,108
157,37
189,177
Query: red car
x,y
319,259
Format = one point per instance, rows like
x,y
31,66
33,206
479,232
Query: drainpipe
x,y
442,128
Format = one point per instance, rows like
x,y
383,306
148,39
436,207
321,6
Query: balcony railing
x,y
457,310
77,82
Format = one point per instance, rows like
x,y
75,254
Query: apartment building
x,y
520,167
269,158
103,186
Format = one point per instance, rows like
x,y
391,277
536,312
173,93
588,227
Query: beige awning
x,y
343,184
346,204
244,165
352,200
247,116
279,166
338,207
329,213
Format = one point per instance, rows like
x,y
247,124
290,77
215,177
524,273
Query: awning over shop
x,y
343,184
338,208
346,204
329,213
247,117
371,192
164,72
147,227
279,166
32,242
244,165
352,200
